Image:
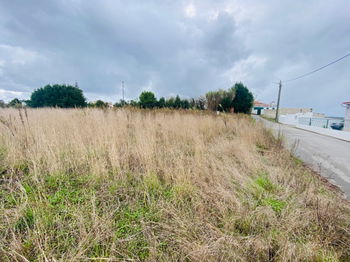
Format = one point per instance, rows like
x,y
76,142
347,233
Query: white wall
x,y
347,119
293,119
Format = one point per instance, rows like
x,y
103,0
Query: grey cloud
x,y
154,45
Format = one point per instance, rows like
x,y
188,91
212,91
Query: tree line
x,y
235,99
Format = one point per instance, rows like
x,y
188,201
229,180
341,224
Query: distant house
x,y
259,107
347,116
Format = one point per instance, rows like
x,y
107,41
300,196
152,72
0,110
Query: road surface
x,y
328,156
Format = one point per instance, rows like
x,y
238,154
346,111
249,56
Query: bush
x,y
15,103
238,98
100,104
220,100
2,104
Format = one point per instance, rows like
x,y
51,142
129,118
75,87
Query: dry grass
x,y
94,185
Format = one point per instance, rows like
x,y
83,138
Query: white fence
x,y
318,122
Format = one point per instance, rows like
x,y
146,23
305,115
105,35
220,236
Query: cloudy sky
x,y
178,47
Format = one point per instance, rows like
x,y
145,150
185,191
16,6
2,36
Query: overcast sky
x,y
178,47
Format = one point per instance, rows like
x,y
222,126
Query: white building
x,y
347,116
259,107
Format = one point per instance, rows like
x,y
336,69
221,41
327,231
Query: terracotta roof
x,y
260,104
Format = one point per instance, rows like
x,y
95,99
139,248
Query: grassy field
x,y
115,185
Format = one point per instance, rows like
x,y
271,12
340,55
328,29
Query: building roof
x,y
346,103
260,104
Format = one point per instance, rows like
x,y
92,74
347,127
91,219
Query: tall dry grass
x,y
114,185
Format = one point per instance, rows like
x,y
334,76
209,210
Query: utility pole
x,y
278,101
123,89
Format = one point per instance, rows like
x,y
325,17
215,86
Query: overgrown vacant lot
x,y
78,185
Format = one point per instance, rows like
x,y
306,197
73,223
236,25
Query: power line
x,y
318,69
301,76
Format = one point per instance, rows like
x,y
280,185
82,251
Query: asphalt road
x,y
328,156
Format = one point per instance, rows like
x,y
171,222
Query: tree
x,y
147,100
237,97
161,102
214,99
122,103
185,104
170,102
243,101
200,103
15,103
134,103
57,96
220,100
100,104
177,102
192,103
226,103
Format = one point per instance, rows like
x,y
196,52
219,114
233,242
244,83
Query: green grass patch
x,y
26,221
10,199
30,250
155,187
129,224
263,190
264,182
67,189
21,168
326,256
261,186
275,204
99,250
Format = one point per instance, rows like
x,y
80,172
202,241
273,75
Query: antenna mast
x,y
123,89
